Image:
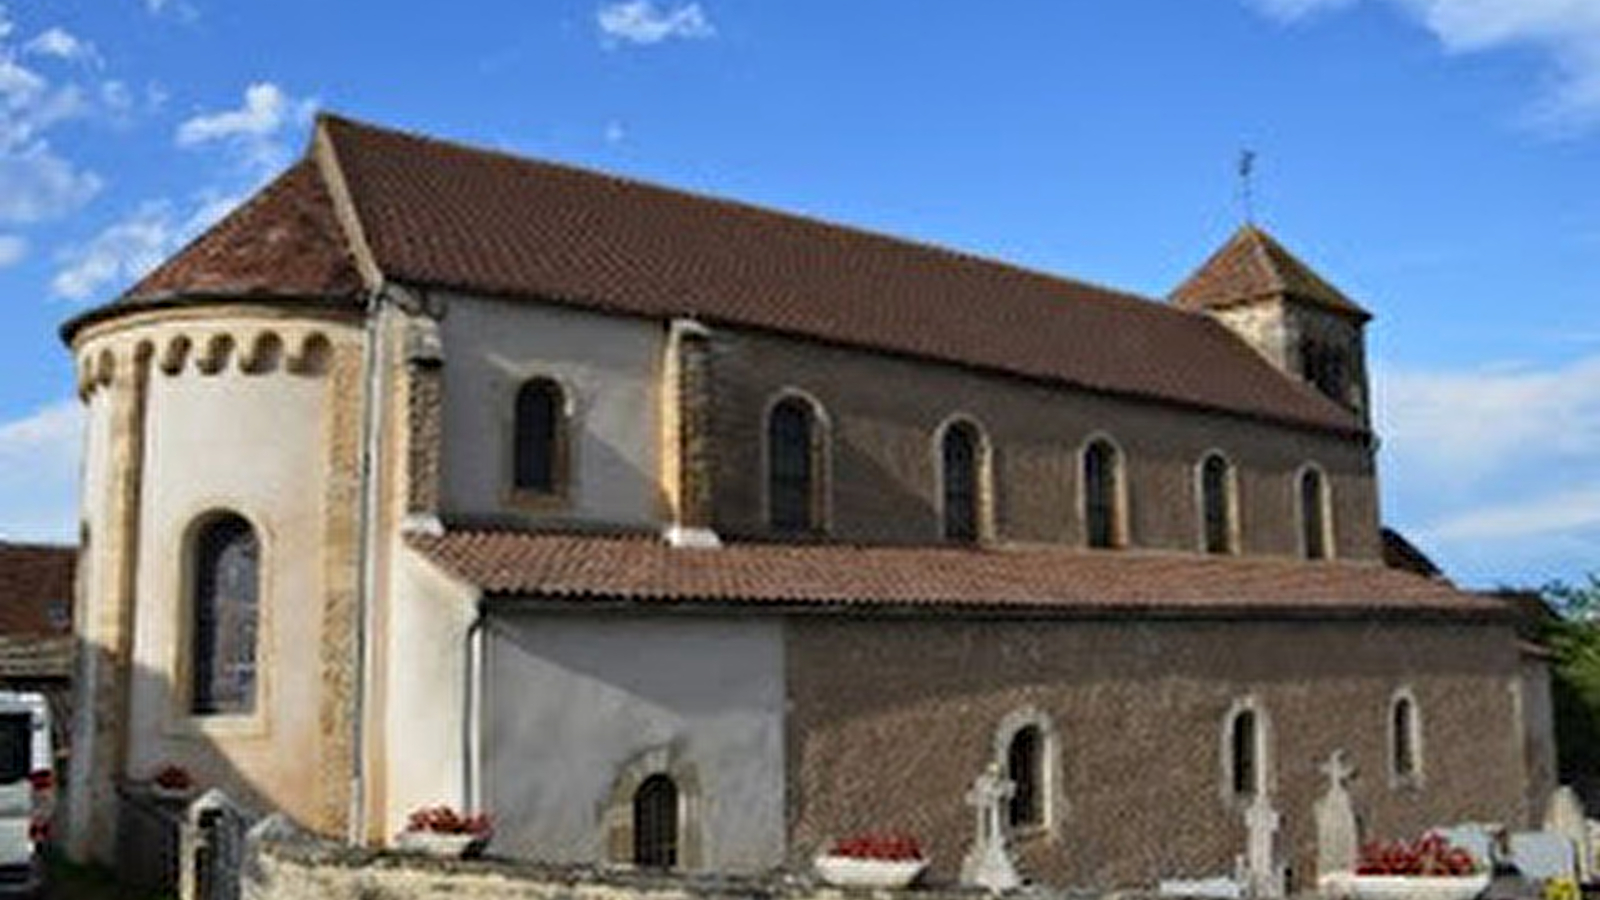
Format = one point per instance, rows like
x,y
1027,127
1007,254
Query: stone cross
x,y
987,864
1338,839
1263,874
1564,816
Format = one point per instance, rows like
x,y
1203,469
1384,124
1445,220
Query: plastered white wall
x,y
254,444
610,368
572,698
429,617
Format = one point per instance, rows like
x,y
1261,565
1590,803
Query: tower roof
x,y
1252,265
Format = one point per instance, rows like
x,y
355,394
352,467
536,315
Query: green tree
x,y
1573,635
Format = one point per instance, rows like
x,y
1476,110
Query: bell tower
x,y
1287,312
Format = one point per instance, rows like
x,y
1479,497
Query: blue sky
x,y
1437,159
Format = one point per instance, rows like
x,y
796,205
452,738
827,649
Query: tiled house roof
x,y
283,242
1252,265
443,215
1050,580
36,588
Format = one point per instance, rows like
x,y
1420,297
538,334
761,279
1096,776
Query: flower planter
x,y
1404,887
440,844
850,871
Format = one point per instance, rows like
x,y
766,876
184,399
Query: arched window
x,y
539,455
1313,514
1025,769
1216,504
655,823
962,467
1102,506
794,467
1405,738
226,587
1244,763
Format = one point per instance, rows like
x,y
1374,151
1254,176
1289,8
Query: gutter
x,y
371,436
472,716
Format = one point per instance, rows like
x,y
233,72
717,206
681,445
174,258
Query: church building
x,y
670,531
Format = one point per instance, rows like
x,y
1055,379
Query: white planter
x,y
848,871
171,794
1404,887
433,843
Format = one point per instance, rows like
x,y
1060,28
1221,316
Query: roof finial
x,y
1247,192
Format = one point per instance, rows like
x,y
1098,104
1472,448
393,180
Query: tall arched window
x,y
794,467
1405,738
1025,769
655,823
1216,504
1102,506
1313,514
225,599
1244,764
962,466
539,451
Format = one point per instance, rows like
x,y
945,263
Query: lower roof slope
x,y
1050,580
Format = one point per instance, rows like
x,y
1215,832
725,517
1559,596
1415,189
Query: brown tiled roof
x,y
1059,580
283,242
439,214
442,214
33,579
1252,265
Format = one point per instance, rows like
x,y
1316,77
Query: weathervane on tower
x,y
1247,171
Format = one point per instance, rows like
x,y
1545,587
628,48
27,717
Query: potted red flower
x,y
172,782
441,831
1429,868
872,861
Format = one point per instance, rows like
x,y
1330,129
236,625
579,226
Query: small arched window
x,y
1025,769
1102,506
1244,763
655,823
539,452
225,599
794,467
1405,735
962,467
1313,514
1216,504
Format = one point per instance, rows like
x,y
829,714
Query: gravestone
x,y
1263,873
1564,816
212,848
1543,855
1338,838
988,864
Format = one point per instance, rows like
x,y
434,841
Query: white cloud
x,y
1567,30
1496,468
39,456
121,253
642,22
12,249
615,132
1465,426
36,184
255,129
62,44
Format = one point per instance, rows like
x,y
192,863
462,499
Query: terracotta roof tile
x,y
1252,265
446,215
283,242
36,588
570,567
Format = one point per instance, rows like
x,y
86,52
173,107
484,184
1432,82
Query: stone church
x,y
676,532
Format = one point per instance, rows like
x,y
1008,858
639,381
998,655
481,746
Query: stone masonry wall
x,y
892,718
884,412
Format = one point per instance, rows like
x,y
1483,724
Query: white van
x,y
27,790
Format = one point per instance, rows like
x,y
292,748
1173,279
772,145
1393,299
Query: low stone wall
x,y
298,867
